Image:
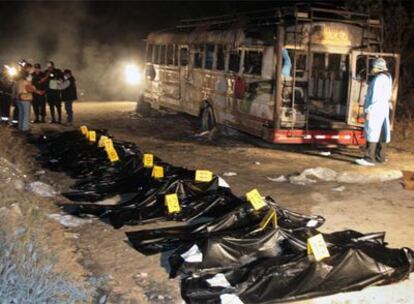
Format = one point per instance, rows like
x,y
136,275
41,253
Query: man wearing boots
x,y
377,112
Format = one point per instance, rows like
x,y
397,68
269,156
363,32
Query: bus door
x,y
361,64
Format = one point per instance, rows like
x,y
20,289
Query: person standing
x,y
69,93
6,87
39,99
377,112
22,66
23,94
53,78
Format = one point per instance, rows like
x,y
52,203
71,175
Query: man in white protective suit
x,y
377,112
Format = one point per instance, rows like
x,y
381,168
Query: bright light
x,y
133,75
12,71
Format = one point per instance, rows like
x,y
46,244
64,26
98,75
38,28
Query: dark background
x,y
96,39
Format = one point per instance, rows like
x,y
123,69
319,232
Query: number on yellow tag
x,y
203,176
157,172
255,199
172,203
316,245
108,144
148,160
101,142
92,136
270,217
84,130
112,155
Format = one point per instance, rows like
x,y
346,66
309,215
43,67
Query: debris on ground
x,y
41,189
18,184
339,189
229,174
68,220
313,175
279,179
325,153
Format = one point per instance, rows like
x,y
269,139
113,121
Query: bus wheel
x,y
143,107
207,119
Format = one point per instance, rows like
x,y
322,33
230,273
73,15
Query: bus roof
x,y
256,27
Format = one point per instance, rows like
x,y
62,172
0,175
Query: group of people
x,y
30,86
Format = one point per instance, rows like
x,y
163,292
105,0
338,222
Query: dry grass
x,y
32,249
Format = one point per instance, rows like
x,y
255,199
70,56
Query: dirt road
x,y
366,207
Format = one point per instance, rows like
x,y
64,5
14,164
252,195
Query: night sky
x,y
95,39
115,23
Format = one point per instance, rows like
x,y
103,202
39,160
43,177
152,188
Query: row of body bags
x,y
227,251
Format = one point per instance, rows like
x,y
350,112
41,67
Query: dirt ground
x,y
126,276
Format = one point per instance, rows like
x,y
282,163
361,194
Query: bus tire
x,y
207,118
143,107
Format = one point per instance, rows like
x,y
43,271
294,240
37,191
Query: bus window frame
x,y
165,54
169,46
156,54
193,52
187,47
225,57
176,52
148,58
242,59
205,57
235,50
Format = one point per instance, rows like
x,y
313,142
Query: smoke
x,y
66,33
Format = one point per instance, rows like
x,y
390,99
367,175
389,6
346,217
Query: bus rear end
x,y
322,100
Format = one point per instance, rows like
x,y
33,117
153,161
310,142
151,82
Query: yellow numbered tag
x,y
112,155
108,144
172,203
270,217
157,172
316,245
92,136
84,130
102,139
203,176
148,160
255,199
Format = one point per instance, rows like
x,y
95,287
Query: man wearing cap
x,y
377,112
39,100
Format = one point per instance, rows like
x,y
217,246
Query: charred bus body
x,y
228,70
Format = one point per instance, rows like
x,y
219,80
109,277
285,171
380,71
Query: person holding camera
x,y
53,80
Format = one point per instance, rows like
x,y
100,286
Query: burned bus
x,y
292,75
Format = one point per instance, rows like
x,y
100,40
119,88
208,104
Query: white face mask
x,y
66,77
29,78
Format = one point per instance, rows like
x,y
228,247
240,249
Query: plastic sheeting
x,y
241,221
224,253
296,277
72,153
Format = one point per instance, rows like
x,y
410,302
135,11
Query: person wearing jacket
x,y
377,112
23,94
53,80
39,100
69,93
